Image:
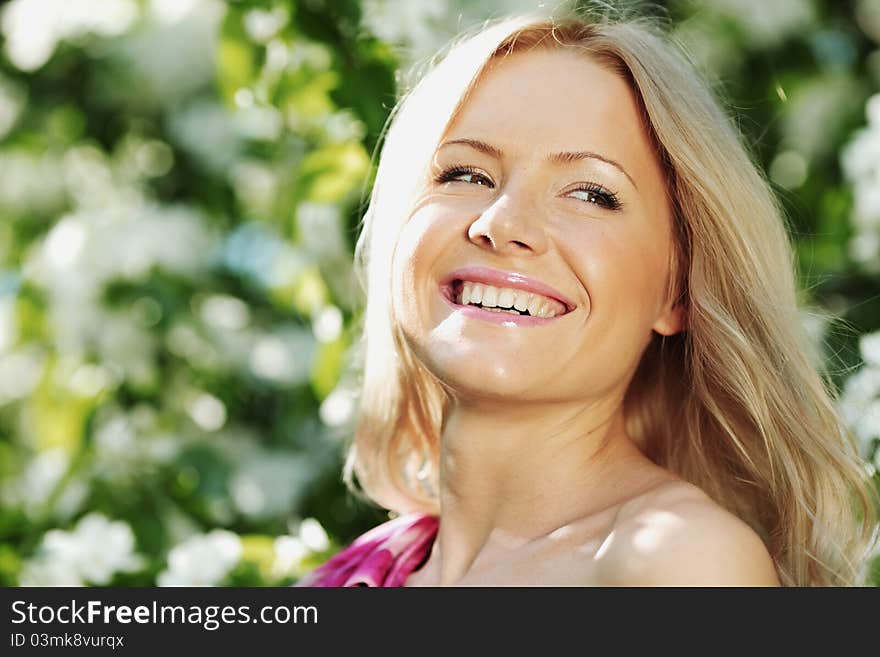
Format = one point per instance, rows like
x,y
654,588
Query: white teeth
x,y
507,299
535,304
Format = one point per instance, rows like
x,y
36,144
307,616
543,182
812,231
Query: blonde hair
x,y
734,404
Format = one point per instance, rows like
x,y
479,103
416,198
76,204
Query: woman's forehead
x,y
550,90
553,100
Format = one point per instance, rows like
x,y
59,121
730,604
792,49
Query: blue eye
x,y
599,196
464,174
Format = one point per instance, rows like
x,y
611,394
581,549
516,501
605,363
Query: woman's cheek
x,y
415,258
615,269
629,277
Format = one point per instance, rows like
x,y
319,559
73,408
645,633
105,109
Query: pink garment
x,y
384,556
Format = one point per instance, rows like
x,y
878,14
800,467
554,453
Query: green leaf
x,y
237,58
332,173
328,365
259,550
306,94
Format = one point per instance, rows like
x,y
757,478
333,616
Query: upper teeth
x,y
490,296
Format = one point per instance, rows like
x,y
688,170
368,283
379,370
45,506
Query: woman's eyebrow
x,y
476,144
565,157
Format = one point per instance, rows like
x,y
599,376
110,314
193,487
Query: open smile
x,y
502,297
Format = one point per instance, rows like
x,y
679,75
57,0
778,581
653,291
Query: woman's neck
x,y
509,475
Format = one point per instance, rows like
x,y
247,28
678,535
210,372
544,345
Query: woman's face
x,y
546,198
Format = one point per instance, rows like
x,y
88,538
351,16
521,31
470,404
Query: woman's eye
x,y
598,196
466,175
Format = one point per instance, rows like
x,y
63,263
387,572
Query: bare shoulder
x,y
676,535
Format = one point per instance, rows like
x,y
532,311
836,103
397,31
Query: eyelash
x,y
451,173
609,200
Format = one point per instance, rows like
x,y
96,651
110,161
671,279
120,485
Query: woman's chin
x,y
486,376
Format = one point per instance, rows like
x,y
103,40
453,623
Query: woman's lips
x,y
499,278
504,318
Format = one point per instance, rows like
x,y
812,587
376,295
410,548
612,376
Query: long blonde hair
x,y
735,404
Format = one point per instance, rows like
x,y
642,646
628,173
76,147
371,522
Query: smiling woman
x,y
583,360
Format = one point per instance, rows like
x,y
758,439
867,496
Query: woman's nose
x,y
509,226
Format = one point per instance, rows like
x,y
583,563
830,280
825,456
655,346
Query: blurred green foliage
x,y
180,187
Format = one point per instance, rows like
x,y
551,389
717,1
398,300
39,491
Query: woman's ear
x,y
672,320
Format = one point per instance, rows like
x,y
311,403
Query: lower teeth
x,y
501,310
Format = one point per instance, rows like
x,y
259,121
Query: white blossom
x,y
208,412
339,406
127,443
202,560
33,28
869,346
860,399
312,534
268,483
93,552
327,324
289,554
225,312
12,102
89,248
860,160
291,550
